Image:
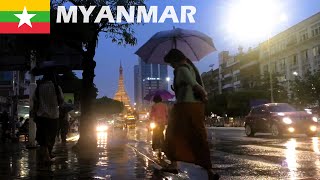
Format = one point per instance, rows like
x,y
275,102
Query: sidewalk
x,y
118,157
114,160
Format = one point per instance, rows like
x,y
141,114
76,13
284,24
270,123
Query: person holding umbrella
x,y
159,116
186,138
47,99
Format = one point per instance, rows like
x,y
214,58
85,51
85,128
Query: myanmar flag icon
x,y
24,16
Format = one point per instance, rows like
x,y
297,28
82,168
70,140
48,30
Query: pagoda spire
x,y
121,94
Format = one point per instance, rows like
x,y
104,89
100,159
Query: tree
x,y
306,90
217,104
105,106
280,93
121,34
239,101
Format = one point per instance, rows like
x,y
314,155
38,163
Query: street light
x,y
295,73
168,79
253,20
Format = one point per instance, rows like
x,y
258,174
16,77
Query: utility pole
x,y
32,87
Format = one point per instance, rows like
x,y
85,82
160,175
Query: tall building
x,y
137,85
151,77
121,94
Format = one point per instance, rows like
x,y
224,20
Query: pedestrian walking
x,y
186,136
159,116
47,99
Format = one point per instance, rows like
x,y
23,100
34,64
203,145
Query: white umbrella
x,y
194,45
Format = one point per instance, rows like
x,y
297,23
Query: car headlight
x,y
287,120
315,119
152,125
102,128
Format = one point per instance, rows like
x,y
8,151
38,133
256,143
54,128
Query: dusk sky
x,y
214,18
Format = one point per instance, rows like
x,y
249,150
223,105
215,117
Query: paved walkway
x,y
114,159
121,155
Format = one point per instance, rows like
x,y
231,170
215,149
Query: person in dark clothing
x,y
47,99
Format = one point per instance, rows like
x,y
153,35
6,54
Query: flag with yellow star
x,y
24,16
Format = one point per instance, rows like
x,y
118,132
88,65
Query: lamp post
x,y
270,71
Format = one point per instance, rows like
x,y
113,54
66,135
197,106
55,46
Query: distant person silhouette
x,y
47,99
159,116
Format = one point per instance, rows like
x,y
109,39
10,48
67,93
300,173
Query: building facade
x,y
250,76
229,70
137,85
235,72
211,81
151,77
294,51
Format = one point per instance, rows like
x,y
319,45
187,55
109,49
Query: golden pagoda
x,y
121,94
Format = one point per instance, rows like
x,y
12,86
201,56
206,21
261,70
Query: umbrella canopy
x,y
165,95
194,44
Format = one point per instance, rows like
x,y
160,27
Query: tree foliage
x,y
234,103
306,90
70,83
280,93
105,106
88,34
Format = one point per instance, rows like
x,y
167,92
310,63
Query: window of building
x,y
295,60
282,64
315,29
265,68
316,51
304,54
303,35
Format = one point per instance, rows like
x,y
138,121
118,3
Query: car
x,y
279,119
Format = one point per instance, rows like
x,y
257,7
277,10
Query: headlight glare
x,y
315,119
102,128
152,125
287,120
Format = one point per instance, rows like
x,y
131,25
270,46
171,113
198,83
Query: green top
x,y
185,79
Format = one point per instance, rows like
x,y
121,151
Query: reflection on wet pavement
x,y
291,160
236,156
114,159
127,154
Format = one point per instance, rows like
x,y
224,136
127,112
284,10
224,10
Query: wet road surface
x,y
127,154
236,156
